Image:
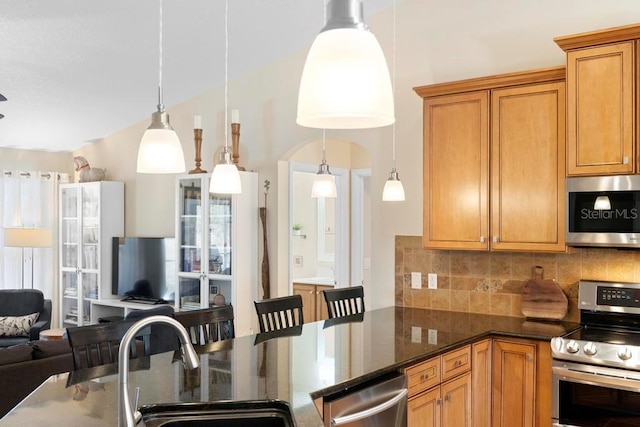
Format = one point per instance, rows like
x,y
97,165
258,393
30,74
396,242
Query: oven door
x,y
594,396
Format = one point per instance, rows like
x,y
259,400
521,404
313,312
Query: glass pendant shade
x,y
393,190
345,82
160,150
324,184
602,203
225,178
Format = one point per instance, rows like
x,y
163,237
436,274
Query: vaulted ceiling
x,y
74,71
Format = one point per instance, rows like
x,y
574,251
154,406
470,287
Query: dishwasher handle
x,y
371,411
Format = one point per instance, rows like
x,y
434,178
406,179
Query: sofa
x,y
16,303
23,367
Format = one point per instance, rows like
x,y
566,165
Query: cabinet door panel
x,y
456,402
528,168
481,383
322,312
308,294
456,133
424,409
513,384
600,105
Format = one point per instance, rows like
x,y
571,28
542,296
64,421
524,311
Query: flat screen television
x,y
143,268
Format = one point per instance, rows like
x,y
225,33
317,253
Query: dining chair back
x,y
344,301
97,345
208,324
279,313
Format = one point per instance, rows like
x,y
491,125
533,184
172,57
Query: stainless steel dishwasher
x,y
380,403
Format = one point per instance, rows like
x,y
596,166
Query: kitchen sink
x,y
248,413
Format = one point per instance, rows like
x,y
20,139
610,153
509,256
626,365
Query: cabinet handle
x,y
447,398
425,377
481,239
438,401
457,363
495,239
529,357
625,160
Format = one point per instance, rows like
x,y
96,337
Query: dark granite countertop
x,y
318,360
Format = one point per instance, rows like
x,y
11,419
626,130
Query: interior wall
x,y
305,212
435,42
12,159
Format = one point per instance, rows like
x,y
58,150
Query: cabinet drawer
x,y
456,362
423,376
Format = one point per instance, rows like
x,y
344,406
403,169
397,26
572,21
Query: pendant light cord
x,y
324,159
393,88
226,68
160,95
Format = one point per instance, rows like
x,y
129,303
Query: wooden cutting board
x,y
543,298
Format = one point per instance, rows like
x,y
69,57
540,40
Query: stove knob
x,y
573,346
556,343
590,349
624,353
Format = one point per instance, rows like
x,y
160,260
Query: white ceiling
x,y
74,71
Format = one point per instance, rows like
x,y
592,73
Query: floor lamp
x,y
28,238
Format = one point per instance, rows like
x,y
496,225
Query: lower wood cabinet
x,y
448,404
521,383
499,382
481,383
313,306
433,403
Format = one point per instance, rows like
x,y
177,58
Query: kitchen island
x,y
321,359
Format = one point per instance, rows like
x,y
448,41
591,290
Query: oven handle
x,y
597,380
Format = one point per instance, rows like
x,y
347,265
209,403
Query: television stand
x,y
144,300
115,307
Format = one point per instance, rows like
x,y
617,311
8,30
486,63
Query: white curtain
x,y
30,199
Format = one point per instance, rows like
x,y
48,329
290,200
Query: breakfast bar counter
x,y
319,359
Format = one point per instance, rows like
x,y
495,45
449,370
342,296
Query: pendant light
x,y
160,150
324,183
345,81
602,203
225,178
393,190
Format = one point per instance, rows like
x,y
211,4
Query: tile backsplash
x,y
491,282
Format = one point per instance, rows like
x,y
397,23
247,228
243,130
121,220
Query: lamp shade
x,y
324,185
393,190
345,82
225,178
28,237
160,150
602,203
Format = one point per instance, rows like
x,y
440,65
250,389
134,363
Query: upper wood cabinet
x,y
602,68
494,163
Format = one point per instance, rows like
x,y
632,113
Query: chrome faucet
x,y
128,416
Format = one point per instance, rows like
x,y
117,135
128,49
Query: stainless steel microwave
x,y
603,211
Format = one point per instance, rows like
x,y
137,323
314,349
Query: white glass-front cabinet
x,y
91,214
217,243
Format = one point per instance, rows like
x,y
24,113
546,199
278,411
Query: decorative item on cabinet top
x,y
87,173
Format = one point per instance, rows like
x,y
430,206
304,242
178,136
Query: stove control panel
x,y
615,297
618,296
613,355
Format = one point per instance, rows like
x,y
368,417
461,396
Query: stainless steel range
x,y
596,369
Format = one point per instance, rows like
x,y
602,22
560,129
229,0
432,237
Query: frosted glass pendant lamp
x,y
225,178
324,183
393,190
345,81
160,150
